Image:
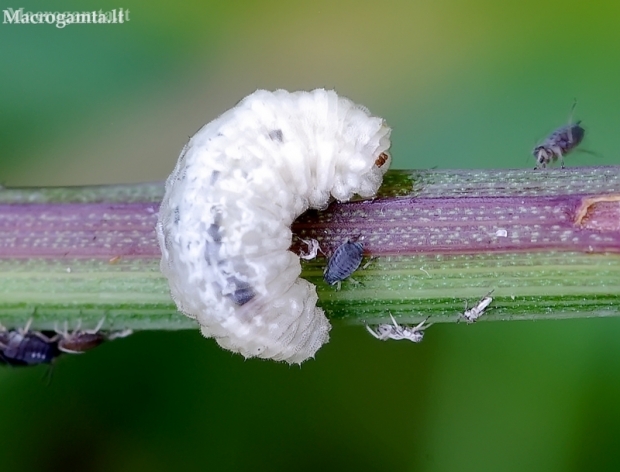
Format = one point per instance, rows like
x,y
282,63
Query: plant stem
x,y
546,242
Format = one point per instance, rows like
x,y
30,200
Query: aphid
x,y
477,311
80,341
559,143
21,348
344,261
386,331
313,249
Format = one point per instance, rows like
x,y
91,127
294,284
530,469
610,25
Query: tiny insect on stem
x,y
559,143
344,261
473,314
395,331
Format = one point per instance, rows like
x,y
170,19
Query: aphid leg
x,y
354,281
370,261
373,332
462,315
119,334
97,328
23,331
420,326
26,328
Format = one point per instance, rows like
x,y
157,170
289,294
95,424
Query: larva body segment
x,y
224,223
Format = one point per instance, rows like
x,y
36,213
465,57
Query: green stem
x,y
547,243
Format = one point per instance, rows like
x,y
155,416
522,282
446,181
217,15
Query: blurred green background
x,y
464,84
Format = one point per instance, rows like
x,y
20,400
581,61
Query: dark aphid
x,y
559,143
344,261
23,348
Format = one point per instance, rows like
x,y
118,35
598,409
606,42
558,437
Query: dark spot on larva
x,y
211,252
243,292
212,248
215,233
276,135
344,261
214,176
382,159
215,229
177,215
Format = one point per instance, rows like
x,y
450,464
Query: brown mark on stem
x,y
600,212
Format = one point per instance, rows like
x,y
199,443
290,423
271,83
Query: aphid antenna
x,y
351,239
48,375
355,238
421,325
369,262
570,124
587,151
572,110
112,335
370,330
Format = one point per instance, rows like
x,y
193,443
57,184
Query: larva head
x,y
383,158
224,223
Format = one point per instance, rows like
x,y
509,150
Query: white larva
x,y
224,223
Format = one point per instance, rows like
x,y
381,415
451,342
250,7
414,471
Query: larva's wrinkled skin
x,y
224,223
